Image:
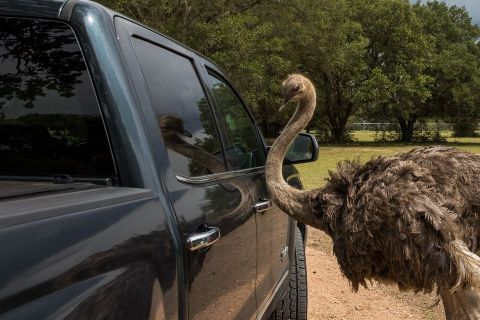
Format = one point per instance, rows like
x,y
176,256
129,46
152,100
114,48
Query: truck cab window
x,y
243,149
183,112
50,122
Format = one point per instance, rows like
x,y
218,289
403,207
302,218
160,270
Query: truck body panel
x,y
119,249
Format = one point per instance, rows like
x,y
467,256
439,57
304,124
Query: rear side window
x,y
243,148
182,109
50,122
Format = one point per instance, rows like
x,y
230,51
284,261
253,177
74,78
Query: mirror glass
x,y
302,149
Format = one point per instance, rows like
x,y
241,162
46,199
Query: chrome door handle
x,y
197,241
263,205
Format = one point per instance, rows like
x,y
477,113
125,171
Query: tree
x,y
330,48
379,57
398,54
241,36
455,65
252,52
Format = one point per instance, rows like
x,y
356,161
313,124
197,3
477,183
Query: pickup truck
x,y
132,181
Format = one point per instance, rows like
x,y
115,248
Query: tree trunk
x,y
338,111
265,120
338,133
407,126
465,128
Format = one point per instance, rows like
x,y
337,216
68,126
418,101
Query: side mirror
x,y
303,149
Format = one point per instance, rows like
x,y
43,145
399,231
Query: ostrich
x,y
412,219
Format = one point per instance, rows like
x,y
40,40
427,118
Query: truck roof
x,y
36,8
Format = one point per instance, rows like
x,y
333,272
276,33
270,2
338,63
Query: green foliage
x,y
465,129
398,55
382,59
252,53
455,67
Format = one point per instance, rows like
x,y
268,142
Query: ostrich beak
x,y
285,104
287,99
187,133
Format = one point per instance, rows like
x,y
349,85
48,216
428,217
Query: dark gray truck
x,y
132,181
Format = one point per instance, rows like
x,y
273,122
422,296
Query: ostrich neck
x,y
206,159
215,165
294,202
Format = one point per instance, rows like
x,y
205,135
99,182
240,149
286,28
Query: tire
x,y
303,230
293,305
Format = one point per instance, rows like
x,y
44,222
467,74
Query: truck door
x,y
244,150
213,207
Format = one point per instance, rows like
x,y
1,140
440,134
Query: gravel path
x,y
330,296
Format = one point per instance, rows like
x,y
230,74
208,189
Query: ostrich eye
x,y
296,88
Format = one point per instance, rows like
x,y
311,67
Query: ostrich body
x,y
412,219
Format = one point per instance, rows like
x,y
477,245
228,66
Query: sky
x,y
473,6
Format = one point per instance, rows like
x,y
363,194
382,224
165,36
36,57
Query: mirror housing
x,y
303,149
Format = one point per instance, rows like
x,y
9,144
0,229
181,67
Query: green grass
x,y
368,136
364,135
314,174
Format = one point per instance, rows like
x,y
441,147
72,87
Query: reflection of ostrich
x,y
411,219
172,131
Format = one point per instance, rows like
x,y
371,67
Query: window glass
x,y
50,121
243,149
182,111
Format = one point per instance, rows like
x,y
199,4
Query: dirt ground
x,y
330,296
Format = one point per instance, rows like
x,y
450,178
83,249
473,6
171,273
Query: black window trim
x,y
258,137
202,70
229,173
206,90
114,180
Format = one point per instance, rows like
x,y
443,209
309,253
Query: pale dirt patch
x,y
330,296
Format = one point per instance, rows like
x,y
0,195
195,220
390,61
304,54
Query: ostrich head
x,y
172,126
295,89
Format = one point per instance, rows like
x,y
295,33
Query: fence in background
x,y
391,126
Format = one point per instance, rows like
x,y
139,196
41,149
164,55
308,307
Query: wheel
x,y
303,230
294,302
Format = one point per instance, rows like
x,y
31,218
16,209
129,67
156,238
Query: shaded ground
x,y
330,296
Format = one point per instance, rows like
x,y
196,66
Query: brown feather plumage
x,y
406,218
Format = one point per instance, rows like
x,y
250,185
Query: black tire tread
x,y
293,306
